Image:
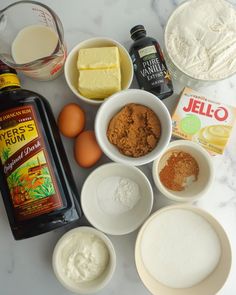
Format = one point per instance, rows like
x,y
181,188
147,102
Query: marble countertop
x,y
25,266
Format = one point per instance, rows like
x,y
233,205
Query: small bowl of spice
x,y
133,127
183,172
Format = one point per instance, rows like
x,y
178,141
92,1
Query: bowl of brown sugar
x,y
183,172
133,127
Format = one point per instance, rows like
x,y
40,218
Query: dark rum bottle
x,y
35,178
149,65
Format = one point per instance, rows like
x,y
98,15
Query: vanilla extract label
x,y
151,69
147,50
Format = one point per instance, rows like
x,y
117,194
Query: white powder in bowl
x,y
180,248
201,39
117,195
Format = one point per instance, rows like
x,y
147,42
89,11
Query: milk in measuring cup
x,y
32,43
36,42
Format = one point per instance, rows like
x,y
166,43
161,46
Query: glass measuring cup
x,y
20,15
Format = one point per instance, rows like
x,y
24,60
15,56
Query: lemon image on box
x,y
190,124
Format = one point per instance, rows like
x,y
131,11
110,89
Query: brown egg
x,y
86,149
71,120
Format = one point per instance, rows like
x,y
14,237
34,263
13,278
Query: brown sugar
x,y
135,130
180,168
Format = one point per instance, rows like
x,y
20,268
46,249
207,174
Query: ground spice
x,y
181,170
135,130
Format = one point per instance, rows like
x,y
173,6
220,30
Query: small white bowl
x,y
108,214
72,74
205,177
89,286
211,284
113,105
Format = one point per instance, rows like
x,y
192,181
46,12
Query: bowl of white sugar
x,y
182,250
200,42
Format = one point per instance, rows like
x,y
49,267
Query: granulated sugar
x,y
180,248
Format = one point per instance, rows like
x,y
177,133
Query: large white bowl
x,y
206,171
208,286
176,71
89,286
115,223
113,105
72,74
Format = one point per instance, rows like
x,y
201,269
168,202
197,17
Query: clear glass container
x,y
20,15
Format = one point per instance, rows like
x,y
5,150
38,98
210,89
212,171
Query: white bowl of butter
x,y
84,260
97,68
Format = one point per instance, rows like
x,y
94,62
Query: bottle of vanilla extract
x,y
35,178
149,65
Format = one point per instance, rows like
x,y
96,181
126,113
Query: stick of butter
x,y
98,58
99,72
99,84
203,120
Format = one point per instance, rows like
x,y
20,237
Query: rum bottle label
x,y
26,166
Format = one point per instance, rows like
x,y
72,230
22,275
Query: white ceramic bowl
x,y
178,73
90,286
205,177
113,105
72,74
211,284
109,215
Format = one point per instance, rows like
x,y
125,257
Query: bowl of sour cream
x,y
84,260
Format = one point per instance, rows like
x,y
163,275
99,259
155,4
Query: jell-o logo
x,y
203,120
206,109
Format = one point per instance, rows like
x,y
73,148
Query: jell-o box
x,y
203,120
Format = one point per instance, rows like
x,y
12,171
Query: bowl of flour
x,y
200,41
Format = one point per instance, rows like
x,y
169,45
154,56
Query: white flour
x,y
117,195
201,39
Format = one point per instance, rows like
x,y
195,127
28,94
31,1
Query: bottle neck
x,y
8,81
